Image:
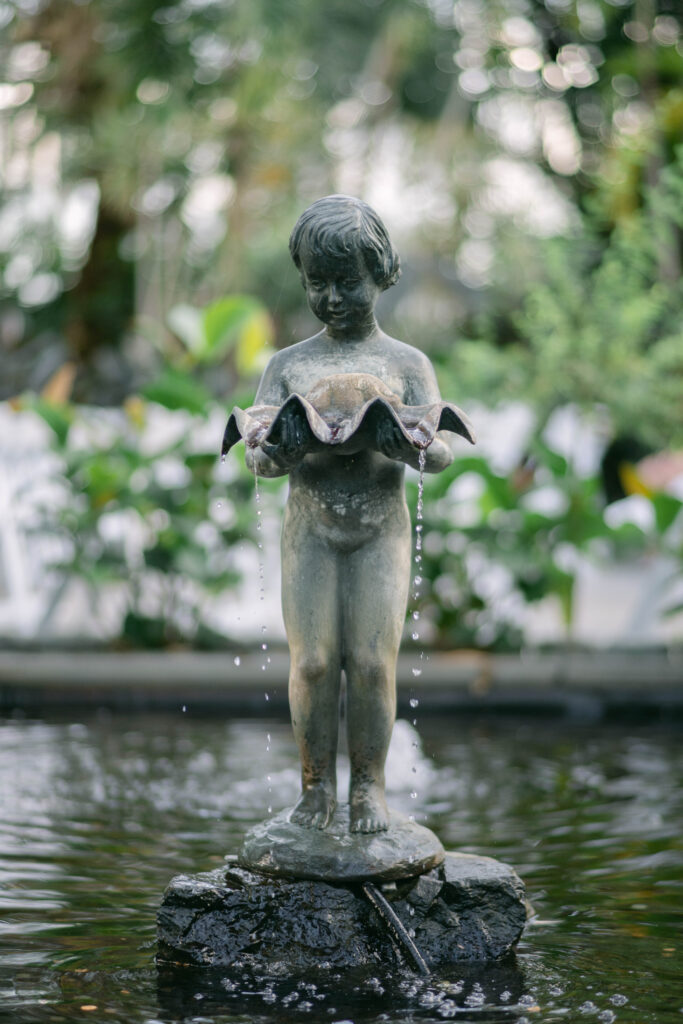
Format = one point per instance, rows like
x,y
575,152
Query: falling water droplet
x,y
416,616
237,660
413,702
184,707
222,459
413,794
417,672
266,696
415,636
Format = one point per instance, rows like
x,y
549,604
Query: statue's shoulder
x,y
292,354
305,349
410,358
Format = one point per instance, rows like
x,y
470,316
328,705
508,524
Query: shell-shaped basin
x,y
346,409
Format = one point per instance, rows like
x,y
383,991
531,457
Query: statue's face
x,y
340,290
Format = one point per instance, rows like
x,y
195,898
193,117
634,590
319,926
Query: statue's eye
x,y
314,282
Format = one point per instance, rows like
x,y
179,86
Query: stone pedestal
x,y
467,909
277,847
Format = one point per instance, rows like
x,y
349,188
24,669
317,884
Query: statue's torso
x,y
346,498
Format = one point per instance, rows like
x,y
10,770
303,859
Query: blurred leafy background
x,y
527,158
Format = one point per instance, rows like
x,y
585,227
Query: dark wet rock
x,y
468,909
278,847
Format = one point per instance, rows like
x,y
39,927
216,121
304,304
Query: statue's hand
x,y
390,440
295,442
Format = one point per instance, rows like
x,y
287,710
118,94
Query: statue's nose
x,y
333,296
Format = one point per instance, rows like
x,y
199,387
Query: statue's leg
x,y
375,595
311,613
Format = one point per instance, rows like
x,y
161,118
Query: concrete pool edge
x,y
582,683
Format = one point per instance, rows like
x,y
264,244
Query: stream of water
x,y
98,813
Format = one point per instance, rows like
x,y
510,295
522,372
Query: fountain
x,y
355,883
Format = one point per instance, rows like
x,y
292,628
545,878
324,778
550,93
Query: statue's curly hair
x,y
338,225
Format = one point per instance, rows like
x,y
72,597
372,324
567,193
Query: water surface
x,y
97,815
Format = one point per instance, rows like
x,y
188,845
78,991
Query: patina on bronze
x,y
342,413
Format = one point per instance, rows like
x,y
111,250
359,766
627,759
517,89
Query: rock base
x,y
278,847
467,909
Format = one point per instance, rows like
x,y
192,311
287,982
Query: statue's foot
x,y
314,808
368,811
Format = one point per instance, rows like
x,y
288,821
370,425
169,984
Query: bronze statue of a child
x,y
346,541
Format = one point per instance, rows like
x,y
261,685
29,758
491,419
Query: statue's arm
x,y
422,389
272,390
294,443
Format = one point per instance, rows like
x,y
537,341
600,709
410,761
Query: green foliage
x,y
602,326
200,130
153,525
175,389
238,324
495,543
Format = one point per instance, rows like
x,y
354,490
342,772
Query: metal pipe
x,y
395,926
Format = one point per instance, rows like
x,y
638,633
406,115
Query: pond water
x,y
96,816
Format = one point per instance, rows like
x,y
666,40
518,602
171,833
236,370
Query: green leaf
x,y
57,416
187,323
177,390
238,323
666,509
223,322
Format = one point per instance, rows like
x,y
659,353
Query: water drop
x,y
264,647
237,660
415,636
414,702
413,794
184,707
416,616
417,581
417,671
222,459
265,694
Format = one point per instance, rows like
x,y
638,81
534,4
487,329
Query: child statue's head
x,y
340,226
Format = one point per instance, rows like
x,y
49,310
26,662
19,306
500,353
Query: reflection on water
x,y
97,815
